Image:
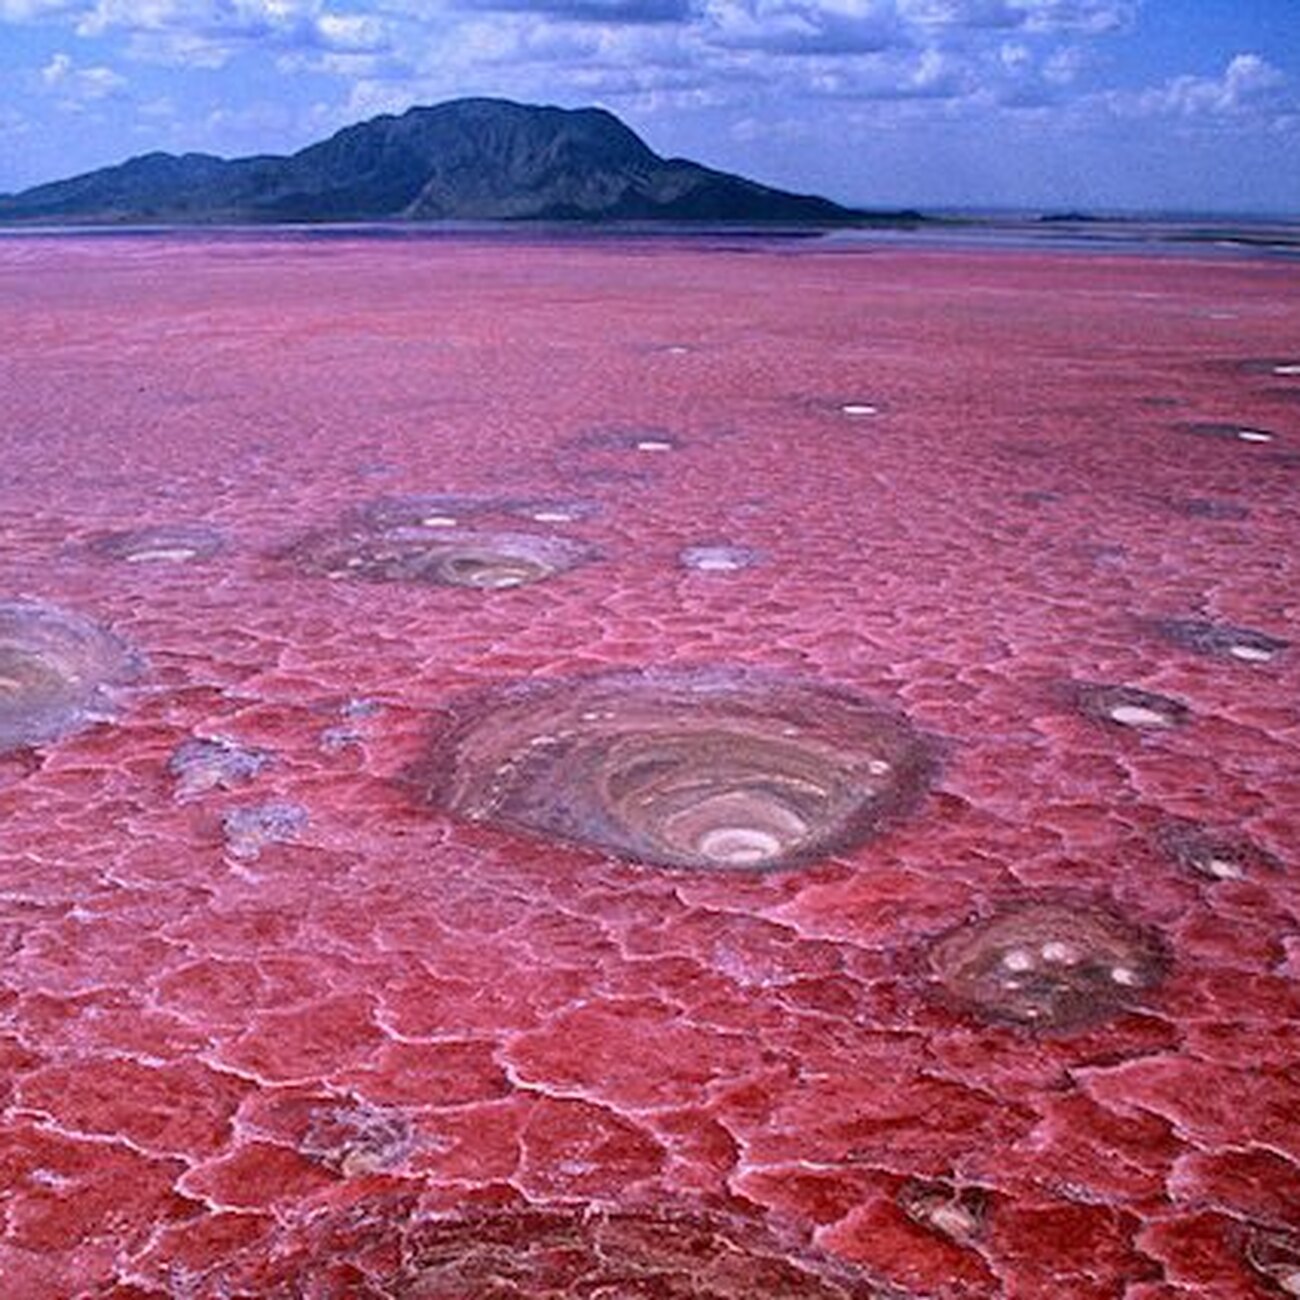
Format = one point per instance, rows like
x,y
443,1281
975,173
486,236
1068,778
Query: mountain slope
x,y
469,159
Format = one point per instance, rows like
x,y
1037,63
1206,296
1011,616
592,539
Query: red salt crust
x,y
1212,1104
398,1015
257,1176
1254,1183
573,1149
66,1192
1204,1254
604,1048
182,1109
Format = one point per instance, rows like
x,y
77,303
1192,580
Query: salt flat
x,y
532,765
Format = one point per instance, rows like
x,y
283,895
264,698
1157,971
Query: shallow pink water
x,y
271,1032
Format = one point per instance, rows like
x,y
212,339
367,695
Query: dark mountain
x,y
470,159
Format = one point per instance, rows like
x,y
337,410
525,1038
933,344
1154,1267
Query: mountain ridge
x,y
475,159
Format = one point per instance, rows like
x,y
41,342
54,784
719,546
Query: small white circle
x,y
1137,715
1065,954
1251,654
739,844
1225,869
165,554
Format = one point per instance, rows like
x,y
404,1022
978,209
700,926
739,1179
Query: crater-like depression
x,y
53,667
157,544
1203,637
721,769
1047,965
451,557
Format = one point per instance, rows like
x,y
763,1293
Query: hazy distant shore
x,y
1073,232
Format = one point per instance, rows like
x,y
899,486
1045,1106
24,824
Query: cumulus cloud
x,y
658,56
1039,16
801,26
206,32
1247,85
76,86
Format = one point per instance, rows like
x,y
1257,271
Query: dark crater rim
x,y
974,941
57,667
1098,701
149,542
1207,636
435,557
768,771
1228,430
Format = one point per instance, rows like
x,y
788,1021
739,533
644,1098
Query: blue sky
x,y
1099,104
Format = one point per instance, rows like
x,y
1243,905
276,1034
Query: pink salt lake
x,y
654,769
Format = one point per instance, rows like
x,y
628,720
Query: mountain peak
x,y
466,159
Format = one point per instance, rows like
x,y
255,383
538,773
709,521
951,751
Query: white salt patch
x,y
1018,959
1225,869
1135,715
1065,953
552,516
739,844
1252,654
878,767
173,554
1123,975
1288,369
859,408
439,521
1253,435
653,444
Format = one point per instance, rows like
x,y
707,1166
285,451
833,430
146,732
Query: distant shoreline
x,y
1123,236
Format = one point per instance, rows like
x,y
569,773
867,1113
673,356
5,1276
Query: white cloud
x,y
208,33
1039,16
1248,84
352,33
1095,17
35,11
76,86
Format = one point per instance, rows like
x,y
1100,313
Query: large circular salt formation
x,y
717,769
454,558
53,666
1048,965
